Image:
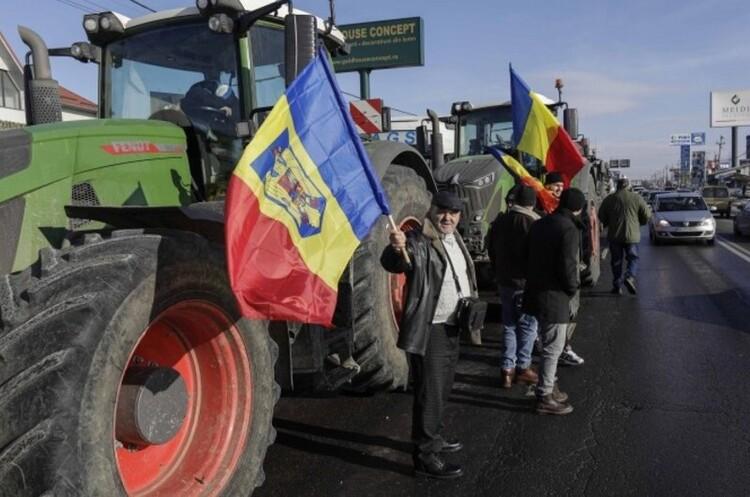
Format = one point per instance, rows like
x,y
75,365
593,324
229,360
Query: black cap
x,y
553,177
572,199
526,196
447,200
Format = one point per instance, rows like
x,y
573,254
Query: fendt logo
x,y
735,99
138,147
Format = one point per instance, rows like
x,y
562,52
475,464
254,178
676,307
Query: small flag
x,y
545,197
537,132
301,199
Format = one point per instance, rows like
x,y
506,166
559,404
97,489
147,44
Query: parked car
x,y
742,221
681,216
718,199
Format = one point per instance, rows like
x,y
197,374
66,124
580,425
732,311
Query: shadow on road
x,y
300,436
492,401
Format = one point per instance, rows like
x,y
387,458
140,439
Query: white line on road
x,y
737,250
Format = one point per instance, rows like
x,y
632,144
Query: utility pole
x,y
720,143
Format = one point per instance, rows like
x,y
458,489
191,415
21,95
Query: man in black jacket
x,y
439,272
509,254
552,280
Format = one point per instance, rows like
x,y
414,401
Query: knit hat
x,y
572,199
553,177
525,196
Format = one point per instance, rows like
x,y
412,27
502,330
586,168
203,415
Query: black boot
x,y
433,466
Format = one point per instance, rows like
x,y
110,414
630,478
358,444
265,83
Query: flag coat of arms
x,y
537,132
299,202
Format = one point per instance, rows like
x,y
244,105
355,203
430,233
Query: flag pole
x,y
394,227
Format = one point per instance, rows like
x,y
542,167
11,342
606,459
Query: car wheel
x,y
711,241
736,228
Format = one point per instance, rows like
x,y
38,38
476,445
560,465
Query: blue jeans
x,y
619,251
519,330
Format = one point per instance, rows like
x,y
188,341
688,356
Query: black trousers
x,y
433,376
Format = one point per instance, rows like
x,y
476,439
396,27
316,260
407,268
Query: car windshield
x,y
142,80
716,192
671,204
485,127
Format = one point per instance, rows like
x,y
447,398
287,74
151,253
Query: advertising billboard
x,y
685,158
698,139
730,108
382,44
676,139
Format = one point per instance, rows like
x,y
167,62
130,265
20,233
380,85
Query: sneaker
x,y
616,291
548,405
630,284
570,358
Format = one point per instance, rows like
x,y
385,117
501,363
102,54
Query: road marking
x,y
740,252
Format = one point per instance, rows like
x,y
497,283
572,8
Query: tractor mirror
x,y
300,44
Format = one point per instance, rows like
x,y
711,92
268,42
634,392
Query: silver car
x,y
681,216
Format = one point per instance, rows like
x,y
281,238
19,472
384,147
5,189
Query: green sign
x,y
382,44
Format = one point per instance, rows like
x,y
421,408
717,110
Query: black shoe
x,y
451,446
616,291
433,466
630,284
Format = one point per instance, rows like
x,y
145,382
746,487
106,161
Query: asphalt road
x,y
661,404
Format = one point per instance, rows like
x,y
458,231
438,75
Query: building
x,y
12,113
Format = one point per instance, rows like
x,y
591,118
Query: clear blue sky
x,y
637,70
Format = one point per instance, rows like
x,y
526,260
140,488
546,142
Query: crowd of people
x,y
537,265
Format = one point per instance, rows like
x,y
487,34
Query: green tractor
x,y
482,182
125,367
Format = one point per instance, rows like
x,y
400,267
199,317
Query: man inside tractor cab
x,y
212,106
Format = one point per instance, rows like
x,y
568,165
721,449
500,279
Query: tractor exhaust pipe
x,y
42,92
437,140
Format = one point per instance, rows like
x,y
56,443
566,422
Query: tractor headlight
x,y
91,23
221,23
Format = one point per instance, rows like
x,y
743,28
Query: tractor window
x,y
485,127
185,67
267,45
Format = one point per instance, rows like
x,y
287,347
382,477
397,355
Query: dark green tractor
x,y
125,368
482,182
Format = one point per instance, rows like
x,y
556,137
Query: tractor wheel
x,y
125,371
378,296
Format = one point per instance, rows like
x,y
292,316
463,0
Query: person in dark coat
x,y
509,252
439,273
551,281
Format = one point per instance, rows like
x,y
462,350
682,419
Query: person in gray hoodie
x,y
509,253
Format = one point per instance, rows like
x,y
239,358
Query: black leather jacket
x,y
424,277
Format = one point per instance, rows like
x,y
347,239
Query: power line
x,y
76,5
143,6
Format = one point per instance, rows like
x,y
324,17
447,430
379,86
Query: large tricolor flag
x,y
537,132
521,174
301,199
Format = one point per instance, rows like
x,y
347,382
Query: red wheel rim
x,y
198,340
397,282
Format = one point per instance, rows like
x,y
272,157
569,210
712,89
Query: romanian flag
x,y
545,197
537,132
301,199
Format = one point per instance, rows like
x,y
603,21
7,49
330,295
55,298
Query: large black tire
x,y
383,365
68,327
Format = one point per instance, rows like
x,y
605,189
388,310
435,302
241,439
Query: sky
x,y
637,71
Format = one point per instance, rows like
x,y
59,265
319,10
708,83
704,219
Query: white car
x,y
681,216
